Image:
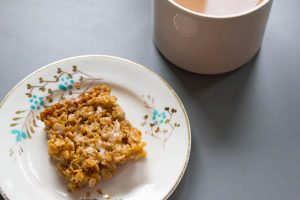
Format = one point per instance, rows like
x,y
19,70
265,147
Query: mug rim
x,y
240,14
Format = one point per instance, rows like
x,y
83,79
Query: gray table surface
x,y
245,124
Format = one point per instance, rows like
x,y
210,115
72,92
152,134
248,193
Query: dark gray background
x,y
245,124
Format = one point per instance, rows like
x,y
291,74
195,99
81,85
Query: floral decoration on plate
x,y
160,124
42,95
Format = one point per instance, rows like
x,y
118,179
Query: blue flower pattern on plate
x,y
66,83
19,135
63,81
158,117
36,102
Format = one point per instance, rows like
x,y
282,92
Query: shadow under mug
x,y
208,44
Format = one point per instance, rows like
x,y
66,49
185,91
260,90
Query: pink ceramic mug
x,y
208,44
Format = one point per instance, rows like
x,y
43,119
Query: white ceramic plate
x,y
149,102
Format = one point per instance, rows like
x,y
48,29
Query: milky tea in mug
x,y
219,7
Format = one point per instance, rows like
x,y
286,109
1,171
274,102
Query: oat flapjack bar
x,y
89,136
